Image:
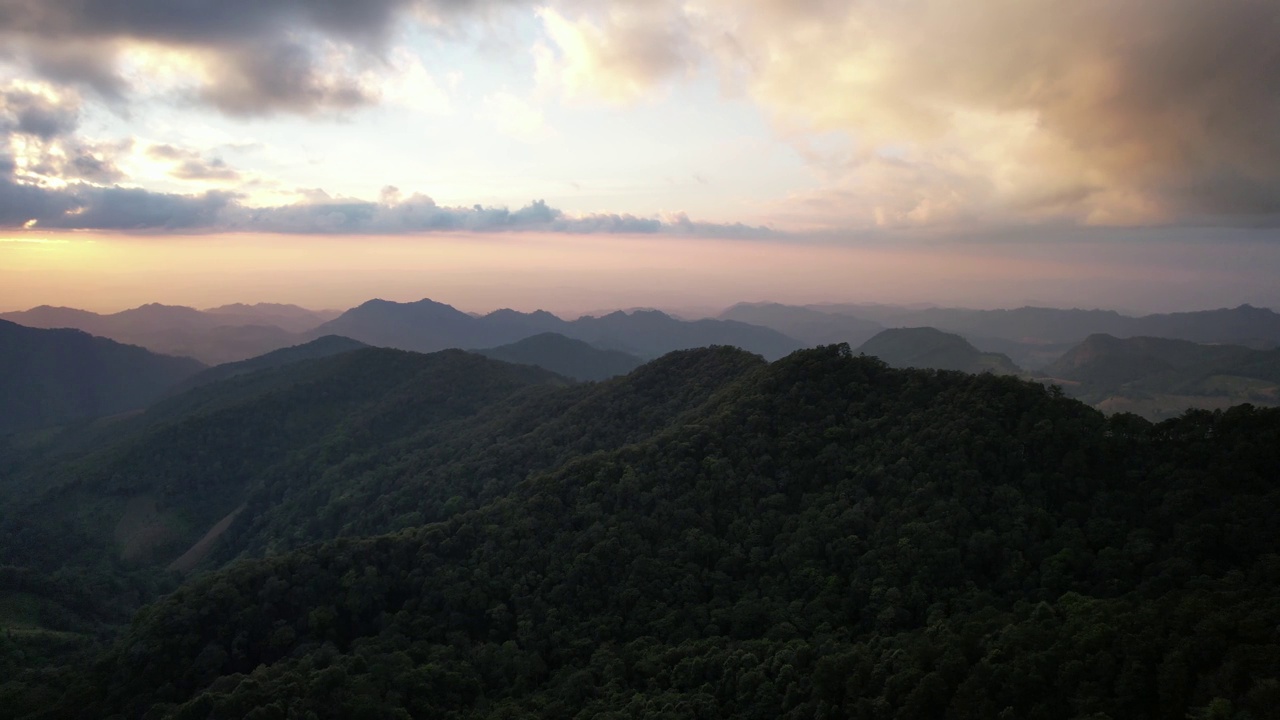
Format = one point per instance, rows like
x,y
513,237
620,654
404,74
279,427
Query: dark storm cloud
x,y
91,65
88,207
30,113
92,164
255,51
196,23
278,78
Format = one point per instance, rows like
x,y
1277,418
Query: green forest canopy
x,y
710,536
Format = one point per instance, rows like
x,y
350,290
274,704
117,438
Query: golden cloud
x,y
1097,111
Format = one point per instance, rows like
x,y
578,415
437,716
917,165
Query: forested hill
x,y
926,347
822,537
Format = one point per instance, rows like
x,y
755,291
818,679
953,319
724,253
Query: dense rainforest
x,y
710,536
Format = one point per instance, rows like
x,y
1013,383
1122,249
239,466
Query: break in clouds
x,y
942,113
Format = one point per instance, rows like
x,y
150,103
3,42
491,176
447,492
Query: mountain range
x,y
1032,337
427,326
380,533
224,334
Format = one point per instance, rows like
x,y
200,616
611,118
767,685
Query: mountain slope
x,y
565,356
1154,376
49,377
1243,325
931,348
198,455
364,441
1106,361
824,537
319,348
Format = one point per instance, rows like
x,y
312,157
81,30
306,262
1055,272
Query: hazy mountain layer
x,y
1245,325
572,358
220,335
319,348
805,324
51,377
428,326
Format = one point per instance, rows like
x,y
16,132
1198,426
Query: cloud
x,y
83,206
254,58
1089,110
43,115
190,165
281,77
620,56
38,127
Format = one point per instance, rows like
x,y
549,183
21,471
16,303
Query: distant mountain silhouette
x,y
318,348
422,326
290,318
50,377
805,324
1243,325
927,347
568,357
218,336
651,333
429,326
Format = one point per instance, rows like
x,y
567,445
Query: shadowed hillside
x,y
566,356
1160,378
50,377
318,348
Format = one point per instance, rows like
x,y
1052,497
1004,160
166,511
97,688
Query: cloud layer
x,y
1093,110
84,206
247,57
909,112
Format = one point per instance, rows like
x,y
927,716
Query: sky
x,y
574,155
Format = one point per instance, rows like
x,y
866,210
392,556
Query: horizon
x,y
685,313
1140,272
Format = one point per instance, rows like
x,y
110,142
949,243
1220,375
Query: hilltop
x,y
931,348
